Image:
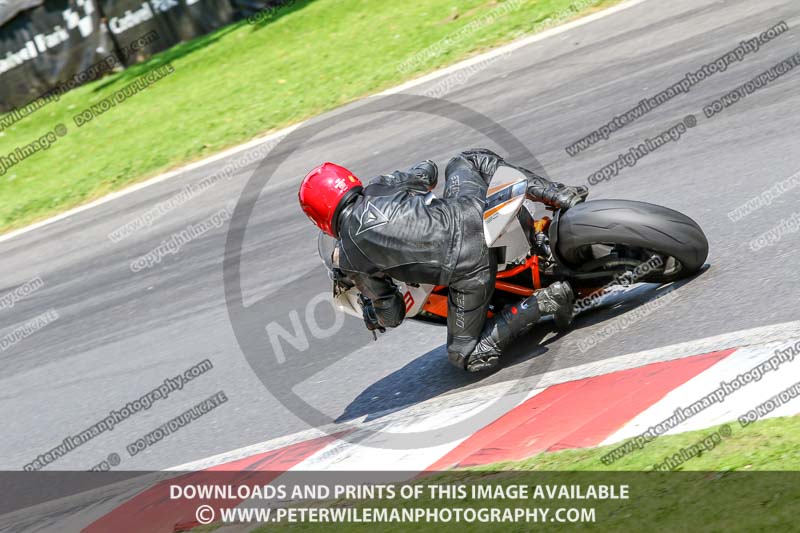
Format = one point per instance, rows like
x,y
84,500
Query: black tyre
x,y
614,234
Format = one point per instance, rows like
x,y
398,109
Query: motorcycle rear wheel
x,y
615,235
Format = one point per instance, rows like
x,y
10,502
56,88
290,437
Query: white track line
x,y
525,41
734,405
376,451
524,387
738,339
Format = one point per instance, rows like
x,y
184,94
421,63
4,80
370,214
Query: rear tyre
x,y
620,234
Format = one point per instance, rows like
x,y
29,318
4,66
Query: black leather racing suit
x,y
392,230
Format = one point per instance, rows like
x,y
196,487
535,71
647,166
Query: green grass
x,y
728,488
242,81
772,444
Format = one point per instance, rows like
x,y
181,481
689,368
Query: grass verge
x,y
245,80
736,486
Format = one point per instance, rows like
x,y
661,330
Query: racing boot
x,y
516,320
558,300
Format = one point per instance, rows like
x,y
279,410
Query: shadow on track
x,y
431,375
426,377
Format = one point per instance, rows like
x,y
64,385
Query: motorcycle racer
x,y
392,229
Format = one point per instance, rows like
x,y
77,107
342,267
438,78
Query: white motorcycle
x,y
589,245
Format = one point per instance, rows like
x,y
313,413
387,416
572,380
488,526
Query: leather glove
x,y
370,316
558,195
427,172
422,177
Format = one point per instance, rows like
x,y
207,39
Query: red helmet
x,y
323,193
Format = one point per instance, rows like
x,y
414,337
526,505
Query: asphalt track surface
x,y
120,334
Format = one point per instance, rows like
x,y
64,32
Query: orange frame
x,y
436,304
